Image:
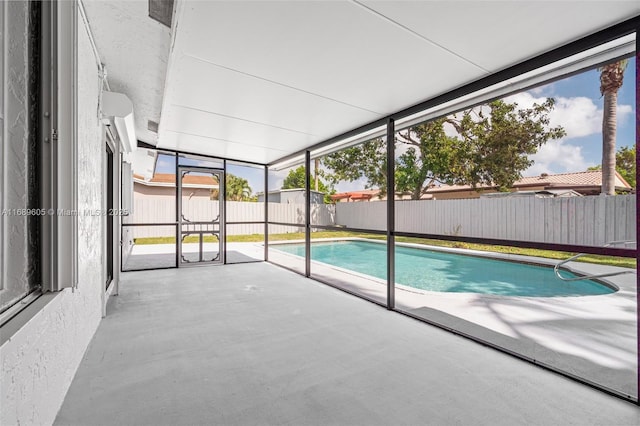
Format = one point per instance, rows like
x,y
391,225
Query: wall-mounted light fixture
x,y
118,108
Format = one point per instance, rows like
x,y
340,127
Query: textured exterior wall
x,y
16,149
40,360
115,24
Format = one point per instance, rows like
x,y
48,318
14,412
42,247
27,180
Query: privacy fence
x,y
162,210
594,220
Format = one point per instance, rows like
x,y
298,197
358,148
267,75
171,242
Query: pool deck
x,y
594,337
156,256
255,344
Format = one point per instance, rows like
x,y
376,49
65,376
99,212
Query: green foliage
x,y
238,189
432,156
626,164
490,146
367,160
296,179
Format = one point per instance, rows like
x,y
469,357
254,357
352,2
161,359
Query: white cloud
x,y
557,156
449,130
624,111
579,115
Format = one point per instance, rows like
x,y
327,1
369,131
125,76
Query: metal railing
x,y
556,268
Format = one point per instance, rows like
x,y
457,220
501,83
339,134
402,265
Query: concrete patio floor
x,y
156,256
256,344
592,337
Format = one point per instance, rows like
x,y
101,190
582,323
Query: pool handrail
x,y
556,268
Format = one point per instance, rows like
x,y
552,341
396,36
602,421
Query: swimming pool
x,y
447,272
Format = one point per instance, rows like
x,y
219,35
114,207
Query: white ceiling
x,y
256,81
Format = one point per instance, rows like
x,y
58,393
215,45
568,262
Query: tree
x,y
625,164
611,76
296,179
238,189
485,145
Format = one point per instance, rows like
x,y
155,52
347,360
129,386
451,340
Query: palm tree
x,y
237,189
611,76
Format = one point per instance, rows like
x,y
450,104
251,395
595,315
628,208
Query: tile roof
x,y
365,194
590,178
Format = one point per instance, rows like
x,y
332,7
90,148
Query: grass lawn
x,y
624,262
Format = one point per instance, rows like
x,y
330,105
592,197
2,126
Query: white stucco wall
x,y
14,146
41,358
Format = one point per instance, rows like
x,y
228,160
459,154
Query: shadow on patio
x,y
256,344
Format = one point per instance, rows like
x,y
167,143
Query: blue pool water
x,y
447,272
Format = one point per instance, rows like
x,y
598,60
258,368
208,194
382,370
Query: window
x,y
39,186
20,196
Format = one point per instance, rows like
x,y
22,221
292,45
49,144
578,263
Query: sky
x,y
578,109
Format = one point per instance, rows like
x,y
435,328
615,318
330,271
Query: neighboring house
x,y
364,195
164,185
291,196
545,185
584,183
543,193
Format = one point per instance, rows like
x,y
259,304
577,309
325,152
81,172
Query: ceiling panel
x,y
260,80
226,149
189,121
204,123
498,34
218,90
336,49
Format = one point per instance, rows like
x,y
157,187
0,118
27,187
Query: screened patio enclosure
x,y
241,90
445,165
371,146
